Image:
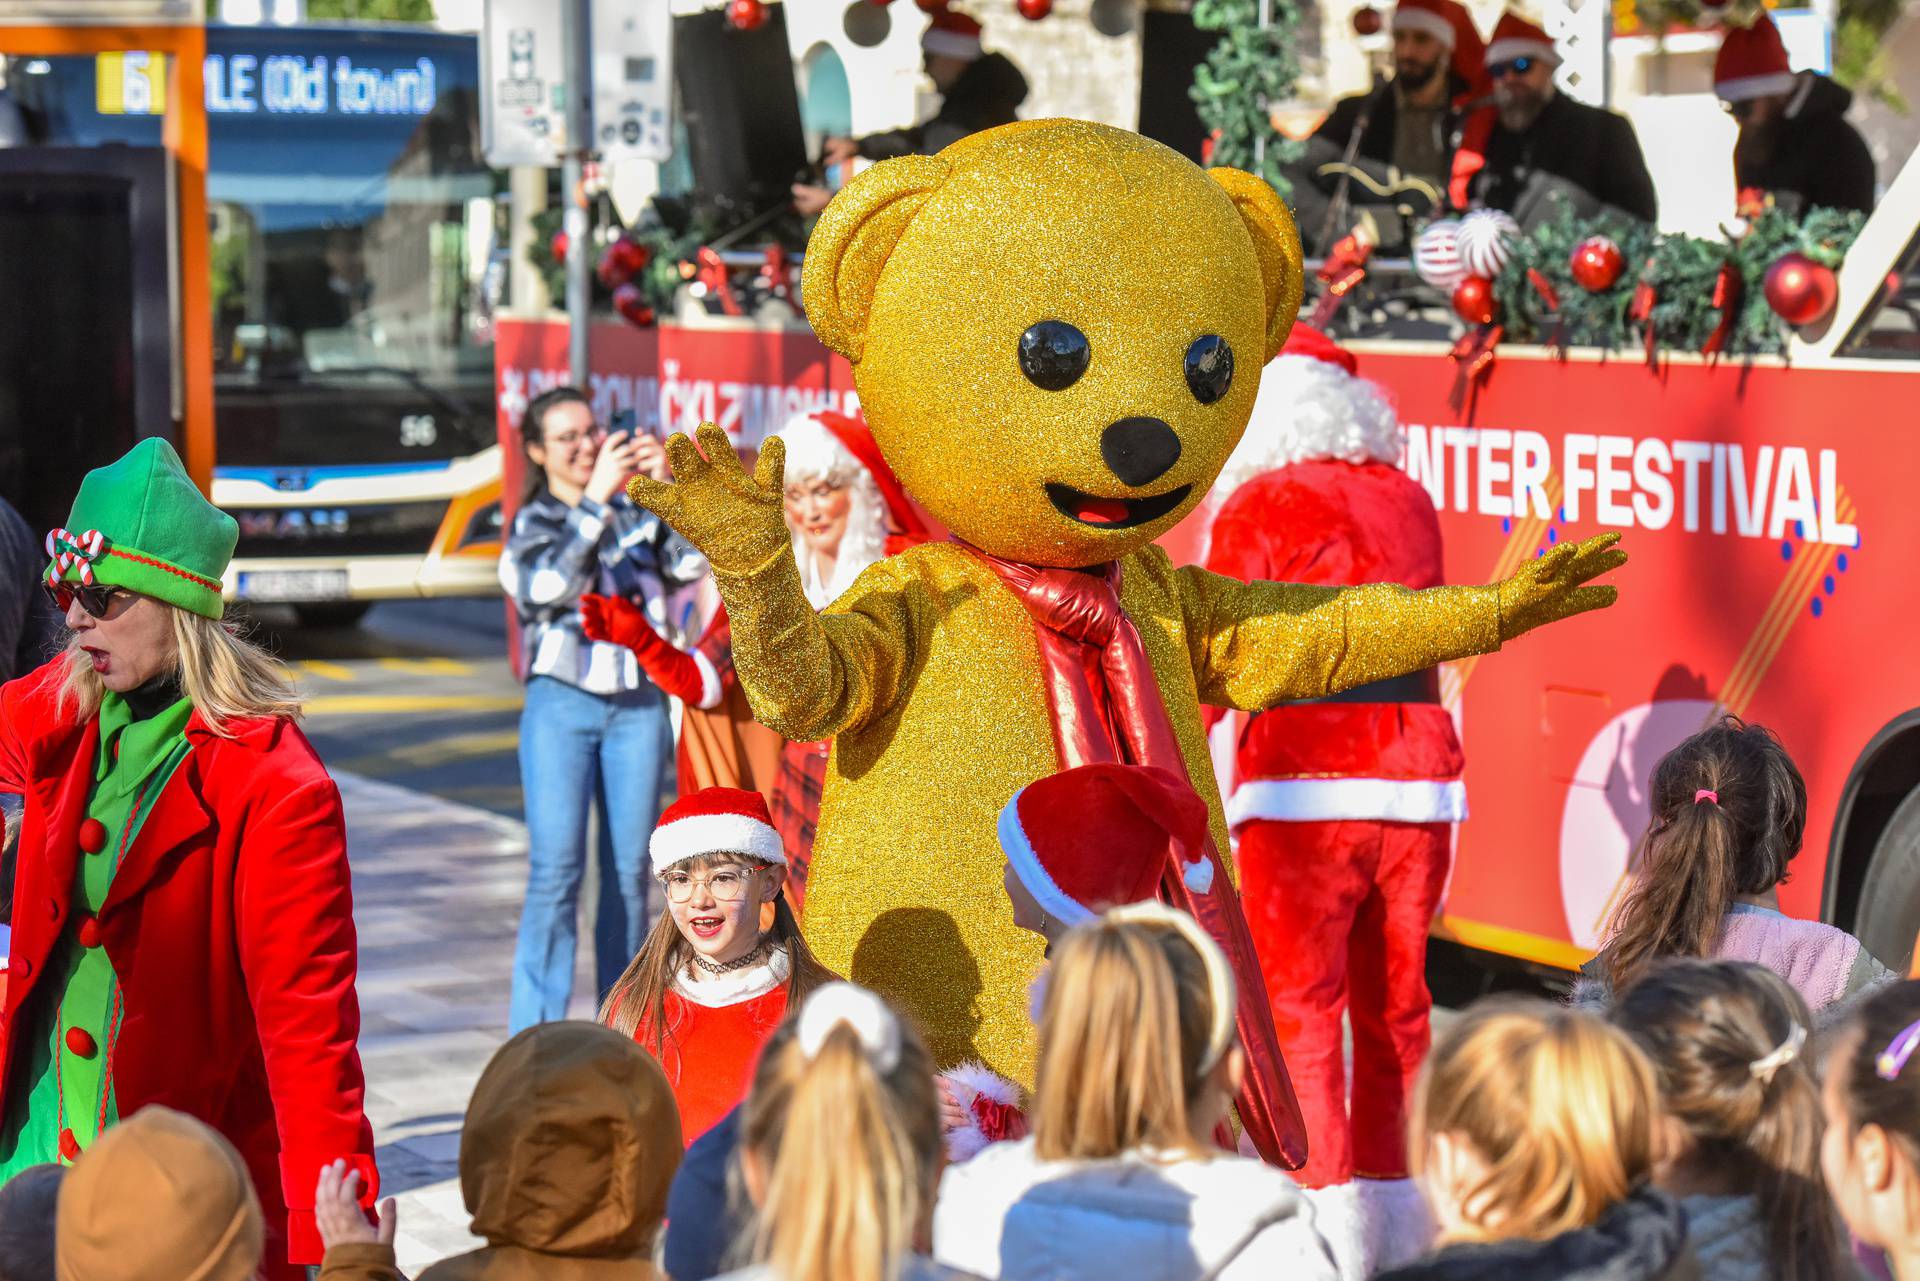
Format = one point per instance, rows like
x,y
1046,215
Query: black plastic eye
x,y
1209,368
1053,355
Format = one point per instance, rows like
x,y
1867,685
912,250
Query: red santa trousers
x,y
1353,901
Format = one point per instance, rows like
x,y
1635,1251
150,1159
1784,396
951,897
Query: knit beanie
x,y
159,1197
142,524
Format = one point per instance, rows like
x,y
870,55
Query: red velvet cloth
x,y
1107,707
230,927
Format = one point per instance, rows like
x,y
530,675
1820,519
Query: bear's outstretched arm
x,y
806,676
1257,644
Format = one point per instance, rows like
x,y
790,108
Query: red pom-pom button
x,y
81,1042
88,932
69,1146
93,836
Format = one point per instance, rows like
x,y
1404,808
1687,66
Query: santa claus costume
x,y
1341,806
828,455
723,966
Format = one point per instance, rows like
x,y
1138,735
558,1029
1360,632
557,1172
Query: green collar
x,y
143,744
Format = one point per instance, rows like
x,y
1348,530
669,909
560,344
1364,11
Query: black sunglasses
x,y
1511,67
96,598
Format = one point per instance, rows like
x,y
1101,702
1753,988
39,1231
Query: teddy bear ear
x,y
1277,243
856,234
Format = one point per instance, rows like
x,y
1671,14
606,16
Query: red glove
x,y
621,622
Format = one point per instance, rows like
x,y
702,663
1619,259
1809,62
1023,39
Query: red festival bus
x,y
1766,505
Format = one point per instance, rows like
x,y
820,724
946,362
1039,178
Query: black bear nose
x,y
1139,450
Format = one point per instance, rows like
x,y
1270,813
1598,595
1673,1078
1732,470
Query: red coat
x,y
230,928
1338,524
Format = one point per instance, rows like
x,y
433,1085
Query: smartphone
x,y
624,420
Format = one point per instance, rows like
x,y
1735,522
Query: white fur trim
x,y
967,1082
735,986
1308,410
713,834
1319,800
1744,87
710,688
1053,900
870,1018
952,44
1506,50
1199,875
1409,19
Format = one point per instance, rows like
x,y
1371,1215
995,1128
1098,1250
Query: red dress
x,y
1343,811
710,1049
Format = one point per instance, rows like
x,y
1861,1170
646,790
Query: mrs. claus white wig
x,y
1308,410
814,453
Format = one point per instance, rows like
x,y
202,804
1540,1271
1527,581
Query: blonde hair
x,y
852,1141
1559,1104
226,676
1126,1035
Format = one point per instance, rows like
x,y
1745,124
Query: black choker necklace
x,y
738,963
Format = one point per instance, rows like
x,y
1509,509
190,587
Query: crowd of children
x,y
1733,1097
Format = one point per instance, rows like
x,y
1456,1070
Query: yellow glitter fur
x,y
925,272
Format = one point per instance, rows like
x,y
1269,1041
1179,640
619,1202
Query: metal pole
x,y
576,26
1260,135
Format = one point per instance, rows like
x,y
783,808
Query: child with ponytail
x,y
1533,1138
719,972
840,1146
1121,1177
1728,1043
1729,812
1871,1150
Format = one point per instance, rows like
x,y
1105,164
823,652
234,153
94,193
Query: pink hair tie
x,y
1705,794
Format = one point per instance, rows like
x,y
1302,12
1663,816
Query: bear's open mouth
x,y
1113,513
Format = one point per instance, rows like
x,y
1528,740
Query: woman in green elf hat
x,y
182,915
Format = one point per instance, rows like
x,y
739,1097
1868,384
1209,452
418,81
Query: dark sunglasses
x,y
97,599
1511,67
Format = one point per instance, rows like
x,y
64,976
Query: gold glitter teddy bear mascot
x,y
1057,329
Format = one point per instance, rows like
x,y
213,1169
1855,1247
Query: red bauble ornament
x,y
632,305
624,259
1034,10
81,1042
1800,290
558,246
93,836
746,15
1473,301
1597,264
1366,21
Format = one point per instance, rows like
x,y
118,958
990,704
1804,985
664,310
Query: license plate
x,y
293,585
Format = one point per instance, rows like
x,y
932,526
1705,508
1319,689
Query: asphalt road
x,y
419,695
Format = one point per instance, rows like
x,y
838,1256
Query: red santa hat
x,y
953,35
1097,836
1430,16
1305,340
1518,37
715,820
1752,63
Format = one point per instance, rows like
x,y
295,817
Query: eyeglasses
x,y
568,440
97,598
1511,67
726,884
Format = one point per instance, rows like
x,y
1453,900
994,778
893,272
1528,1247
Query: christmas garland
x,y
637,270
1669,292
1252,69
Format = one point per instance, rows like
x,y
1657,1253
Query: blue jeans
x,y
578,749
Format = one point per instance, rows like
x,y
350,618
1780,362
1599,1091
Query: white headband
x,y
1786,1052
871,1020
1220,986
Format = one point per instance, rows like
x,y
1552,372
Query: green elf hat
x,y
141,523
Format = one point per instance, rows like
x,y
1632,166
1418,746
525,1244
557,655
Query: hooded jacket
x,y
1641,1239
1810,157
1142,1216
988,93
570,1143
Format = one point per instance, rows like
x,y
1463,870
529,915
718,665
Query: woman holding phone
x,y
594,729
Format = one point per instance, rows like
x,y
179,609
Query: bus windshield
x,y
352,221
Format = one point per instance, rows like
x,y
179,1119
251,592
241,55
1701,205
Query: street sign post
x,y
523,119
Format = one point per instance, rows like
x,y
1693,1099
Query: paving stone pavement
x,y
436,890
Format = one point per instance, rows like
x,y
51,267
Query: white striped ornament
x,y
1483,241
1436,255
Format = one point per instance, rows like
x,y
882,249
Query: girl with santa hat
x,y
846,511
720,971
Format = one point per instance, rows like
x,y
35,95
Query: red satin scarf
x,y
1107,707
